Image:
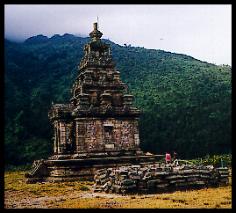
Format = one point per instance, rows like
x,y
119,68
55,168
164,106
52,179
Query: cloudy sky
x,y
202,31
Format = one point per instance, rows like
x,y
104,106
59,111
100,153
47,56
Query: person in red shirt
x,y
168,158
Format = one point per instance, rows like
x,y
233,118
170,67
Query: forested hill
x,y
186,103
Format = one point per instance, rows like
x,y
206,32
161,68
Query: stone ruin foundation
x,y
98,128
153,178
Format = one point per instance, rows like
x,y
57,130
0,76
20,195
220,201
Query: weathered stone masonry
x,y
99,127
101,116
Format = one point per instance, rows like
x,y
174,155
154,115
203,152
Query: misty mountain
x,y
186,103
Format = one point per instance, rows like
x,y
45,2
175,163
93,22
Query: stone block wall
x,y
158,178
95,134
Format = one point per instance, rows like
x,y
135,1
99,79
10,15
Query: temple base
x,y
58,170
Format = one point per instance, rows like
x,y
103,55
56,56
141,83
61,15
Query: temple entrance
x,y
109,137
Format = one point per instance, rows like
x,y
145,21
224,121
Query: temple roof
x,y
97,53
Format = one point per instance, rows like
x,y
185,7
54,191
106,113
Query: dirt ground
x,y
18,194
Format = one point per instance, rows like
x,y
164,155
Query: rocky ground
x,y
18,194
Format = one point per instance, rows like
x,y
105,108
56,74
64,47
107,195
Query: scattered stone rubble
x,y
158,178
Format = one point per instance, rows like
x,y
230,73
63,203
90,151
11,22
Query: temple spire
x,y
97,22
95,34
95,26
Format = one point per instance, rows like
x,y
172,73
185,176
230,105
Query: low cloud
x,y
202,31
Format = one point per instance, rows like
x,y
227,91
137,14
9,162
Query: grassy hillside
x,y
186,103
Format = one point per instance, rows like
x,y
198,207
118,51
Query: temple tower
x,y
98,128
101,116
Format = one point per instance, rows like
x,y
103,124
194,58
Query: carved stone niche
x,y
109,136
128,100
94,98
106,98
117,99
109,76
73,101
83,100
88,76
116,76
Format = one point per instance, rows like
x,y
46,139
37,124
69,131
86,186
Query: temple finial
x,y
95,26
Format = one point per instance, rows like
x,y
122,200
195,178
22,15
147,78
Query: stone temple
x,y
99,127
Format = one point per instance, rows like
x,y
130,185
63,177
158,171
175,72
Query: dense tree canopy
x,y
186,103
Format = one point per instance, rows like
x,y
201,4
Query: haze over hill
x,y
202,31
186,103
